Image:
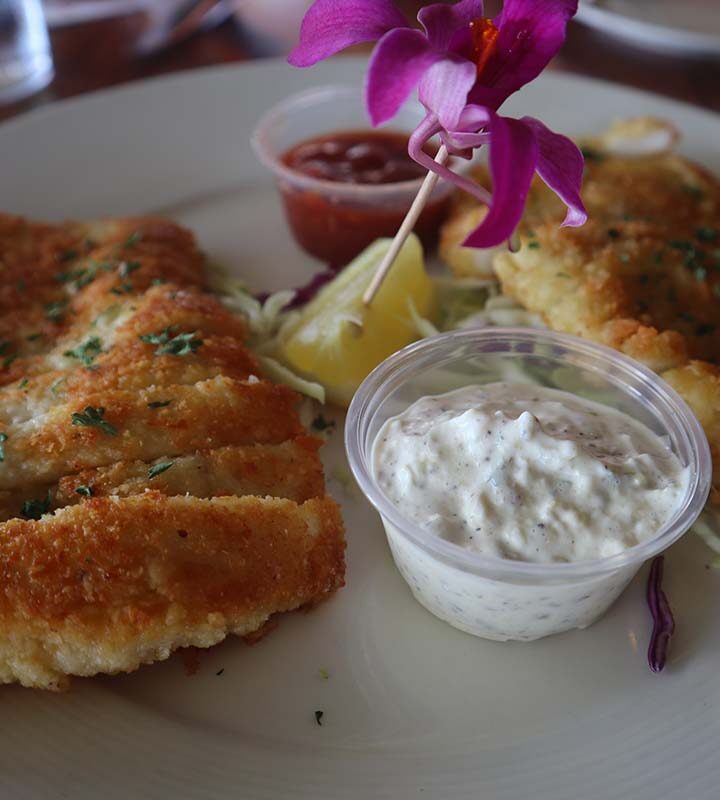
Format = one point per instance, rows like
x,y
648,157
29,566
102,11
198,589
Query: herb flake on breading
x,y
159,404
34,509
171,343
54,311
92,417
158,469
85,491
3,439
320,424
86,352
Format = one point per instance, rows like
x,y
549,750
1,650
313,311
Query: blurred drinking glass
x,y
25,58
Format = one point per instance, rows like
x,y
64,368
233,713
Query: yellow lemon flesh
x,y
337,341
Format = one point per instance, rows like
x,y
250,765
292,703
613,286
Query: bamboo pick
x,y
405,229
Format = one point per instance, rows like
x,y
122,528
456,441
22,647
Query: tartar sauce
x,y
528,473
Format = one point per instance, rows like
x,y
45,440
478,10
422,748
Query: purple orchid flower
x,y
464,66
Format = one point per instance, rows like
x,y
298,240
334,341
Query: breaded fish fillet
x,y
155,491
641,276
111,584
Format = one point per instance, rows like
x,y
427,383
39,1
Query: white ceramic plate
x,y
412,708
688,28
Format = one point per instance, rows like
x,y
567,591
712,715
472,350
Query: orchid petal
x,y
442,21
444,88
420,137
513,157
333,25
405,55
560,165
531,33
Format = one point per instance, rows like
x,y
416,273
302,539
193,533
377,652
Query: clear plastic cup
x,y
26,64
336,221
503,599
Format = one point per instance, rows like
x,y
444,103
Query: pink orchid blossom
x,y
464,67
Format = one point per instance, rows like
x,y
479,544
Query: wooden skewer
x,y
405,229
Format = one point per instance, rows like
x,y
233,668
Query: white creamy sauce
x,y
527,473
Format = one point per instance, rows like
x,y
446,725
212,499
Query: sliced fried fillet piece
x,y
665,190
54,278
292,469
213,413
129,366
113,583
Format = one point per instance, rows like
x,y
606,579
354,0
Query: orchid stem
x,y
405,229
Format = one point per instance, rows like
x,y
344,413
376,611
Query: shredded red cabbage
x,y
663,622
304,294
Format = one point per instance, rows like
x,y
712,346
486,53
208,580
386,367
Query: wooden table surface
x,y
99,54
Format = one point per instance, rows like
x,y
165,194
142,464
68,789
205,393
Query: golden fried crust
x,y
127,397
291,469
114,583
211,413
699,385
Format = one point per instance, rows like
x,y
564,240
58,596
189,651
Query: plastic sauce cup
x,y
497,598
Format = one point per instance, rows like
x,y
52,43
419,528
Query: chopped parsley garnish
x,y
8,360
694,191
158,469
124,288
126,268
534,245
321,424
591,154
644,279
86,352
68,255
23,383
56,385
54,311
682,244
561,275
171,343
687,316
3,439
83,276
700,273
624,257
159,403
318,717
324,674
5,345
133,239
34,509
85,491
705,234
33,337
93,417
158,281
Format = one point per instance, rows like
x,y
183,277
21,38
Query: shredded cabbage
x,y
264,322
707,527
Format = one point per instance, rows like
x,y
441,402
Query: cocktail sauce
x,y
336,226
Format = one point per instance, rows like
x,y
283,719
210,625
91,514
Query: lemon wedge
x,y
337,341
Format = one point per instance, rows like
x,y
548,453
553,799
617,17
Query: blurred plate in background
x,y
690,28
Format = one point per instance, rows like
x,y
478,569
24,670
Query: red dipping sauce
x,y
336,223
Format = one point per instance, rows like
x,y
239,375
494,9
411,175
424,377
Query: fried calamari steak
x,y
155,491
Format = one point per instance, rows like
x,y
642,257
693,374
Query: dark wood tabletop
x,y
99,54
